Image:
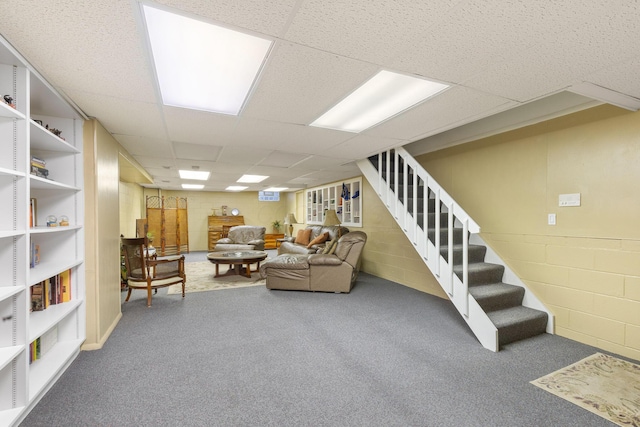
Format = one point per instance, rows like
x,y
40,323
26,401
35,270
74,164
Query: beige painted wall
x,y
102,239
200,205
131,207
388,253
586,268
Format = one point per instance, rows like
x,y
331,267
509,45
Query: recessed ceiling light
x,y
252,178
385,95
193,186
276,189
236,188
200,65
200,175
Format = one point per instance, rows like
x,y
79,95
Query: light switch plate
x,y
551,220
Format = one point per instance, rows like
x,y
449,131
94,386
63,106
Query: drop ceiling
x,y
500,56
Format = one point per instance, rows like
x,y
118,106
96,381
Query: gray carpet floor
x,y
383,355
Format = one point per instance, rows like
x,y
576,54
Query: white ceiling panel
x,y
142,146
196,151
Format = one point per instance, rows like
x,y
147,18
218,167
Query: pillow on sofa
x,y
303,236
330,247
320,239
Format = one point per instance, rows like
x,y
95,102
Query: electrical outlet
x,y
551,220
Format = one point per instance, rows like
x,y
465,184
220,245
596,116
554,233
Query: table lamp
x,y
289,220
331,218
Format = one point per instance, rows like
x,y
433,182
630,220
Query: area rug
x,y
602,384
200,279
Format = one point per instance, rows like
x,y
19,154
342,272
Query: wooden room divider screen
x,y
167,221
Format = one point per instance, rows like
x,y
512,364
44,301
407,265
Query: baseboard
x,y
98,345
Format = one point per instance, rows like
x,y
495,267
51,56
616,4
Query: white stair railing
x,y
395,198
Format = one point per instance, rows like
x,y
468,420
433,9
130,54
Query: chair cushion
x,y
303,236
320,239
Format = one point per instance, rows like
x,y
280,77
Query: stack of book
x,y
55,290
41,345
38,167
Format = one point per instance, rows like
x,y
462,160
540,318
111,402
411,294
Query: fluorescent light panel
x,y
276,189
252,178
200,65
385,95
193,186
236,188
199,175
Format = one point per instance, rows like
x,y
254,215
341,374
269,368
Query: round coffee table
x,y
236,260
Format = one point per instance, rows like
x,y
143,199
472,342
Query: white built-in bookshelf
x,y
344,197
28,129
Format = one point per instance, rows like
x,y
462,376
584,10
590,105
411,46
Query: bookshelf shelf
x,y
7,292
23,141
49,184
59,229
7,112
48,269
7,354
11,233
41,321
44,371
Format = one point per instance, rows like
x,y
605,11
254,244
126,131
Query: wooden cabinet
x,y
344,197
216,224
40,125
270,240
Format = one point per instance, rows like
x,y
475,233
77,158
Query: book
x,y
39,171
36,297
65,280
35,161
33,212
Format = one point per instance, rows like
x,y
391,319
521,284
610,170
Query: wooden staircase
x,y
496,305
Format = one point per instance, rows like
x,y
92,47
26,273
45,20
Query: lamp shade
x,y
290,219
331,218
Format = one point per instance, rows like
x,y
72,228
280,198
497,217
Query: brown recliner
x,y
336,272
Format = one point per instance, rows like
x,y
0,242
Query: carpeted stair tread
x,y
476,253
518,323
497,296
444,235
481,273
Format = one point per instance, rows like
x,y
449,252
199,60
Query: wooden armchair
x,y
146,271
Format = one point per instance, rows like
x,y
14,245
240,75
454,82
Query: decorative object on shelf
x,y
235,212
39,122
289,220
331,218
345,192
64,221
52,221
276,226
9,100
224,210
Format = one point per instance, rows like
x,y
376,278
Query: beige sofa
x,y
293,247
242,237
336,272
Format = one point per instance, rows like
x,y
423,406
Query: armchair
x,y
242,237
146,271
319,272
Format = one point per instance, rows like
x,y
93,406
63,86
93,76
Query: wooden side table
x,y
270,240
